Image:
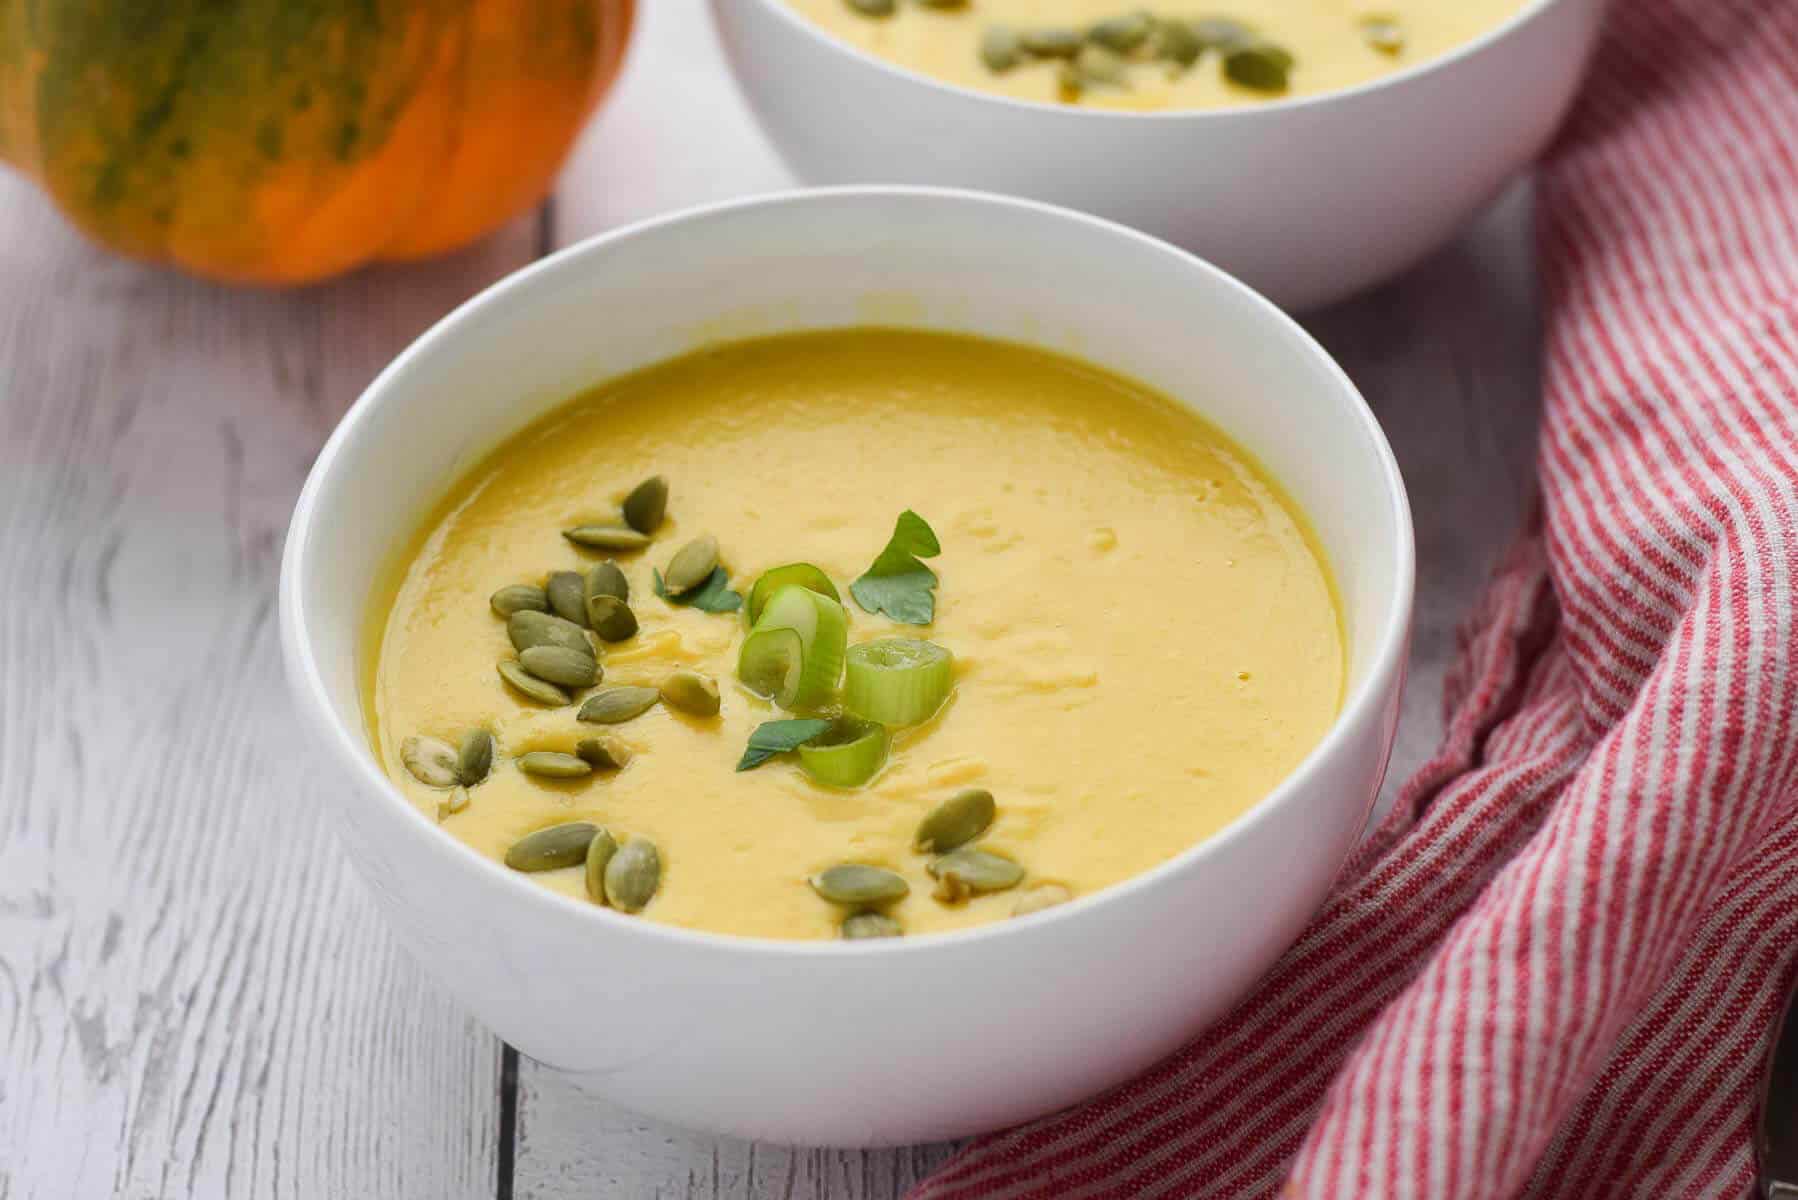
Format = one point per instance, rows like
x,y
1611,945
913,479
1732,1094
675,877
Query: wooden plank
x,y
1447,356
196,998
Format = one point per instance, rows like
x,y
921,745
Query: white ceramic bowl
x,y
1307,200
853,1043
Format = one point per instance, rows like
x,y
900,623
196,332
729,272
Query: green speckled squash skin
x,y
282,141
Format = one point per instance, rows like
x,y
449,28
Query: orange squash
x,y
283,141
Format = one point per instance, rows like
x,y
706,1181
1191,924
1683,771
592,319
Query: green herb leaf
x,y
898,584
778,737
713,596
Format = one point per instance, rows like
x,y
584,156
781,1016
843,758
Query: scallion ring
x,y
792,575
847,755
897,681
765,664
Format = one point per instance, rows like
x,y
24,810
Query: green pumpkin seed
x,y
529,685
519,597
647,504
692,566
607,580
1096,64
431,762
474,757
561,666
1000,48
1051,43
1221,33
874,8
616,538
599,853
603,753
1384,34
553,764
956,821
1177,42
453,804
552,848
616,705
612,618
1258,66
969,871
1043,895
567,593
633,875
527,629
690,692
1123,33
857,884
870,925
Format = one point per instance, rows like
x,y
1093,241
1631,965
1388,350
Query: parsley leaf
x,y
778,737
898,584
713,596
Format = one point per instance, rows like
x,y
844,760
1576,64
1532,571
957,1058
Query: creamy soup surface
x,y
1333,44
1145,638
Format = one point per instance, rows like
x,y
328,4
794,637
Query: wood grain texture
x,y
195,996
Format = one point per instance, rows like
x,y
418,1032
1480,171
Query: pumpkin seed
x,y
599,852
1122,33
616,705
474,757
536,689
857,884
528,628
1384,34
603,753
956,821
647,504
691,692
1051,43
1259,66
1000,48
612,618
553,764
552,848
519,597
969,871
1177,42
606,537
874,8
1096,64
692,566
870,925
608,580
567,593
1043,895
560,665
1221,33
633,875
431,762
453,804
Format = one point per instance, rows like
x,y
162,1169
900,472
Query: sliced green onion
x,y
823,630
897,681
772,663
846,755
792,575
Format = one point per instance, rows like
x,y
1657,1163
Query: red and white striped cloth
x,y
1555,969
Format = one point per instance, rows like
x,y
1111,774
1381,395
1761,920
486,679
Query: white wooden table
x,y
196,997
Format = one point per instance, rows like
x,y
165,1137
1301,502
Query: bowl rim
x,y
781,11
349,746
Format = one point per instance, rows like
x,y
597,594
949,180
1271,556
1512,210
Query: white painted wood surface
x,y
195,999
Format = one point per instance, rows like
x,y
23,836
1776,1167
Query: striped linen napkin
x,y
1554,970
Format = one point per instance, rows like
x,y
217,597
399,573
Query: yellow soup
x,y
1147,58
1144,636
